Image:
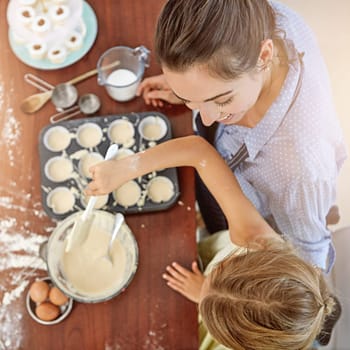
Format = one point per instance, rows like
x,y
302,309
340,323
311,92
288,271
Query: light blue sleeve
x,y
306,203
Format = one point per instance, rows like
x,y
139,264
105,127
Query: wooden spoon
x,y
34,102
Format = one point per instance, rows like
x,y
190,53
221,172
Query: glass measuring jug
x,y
122,80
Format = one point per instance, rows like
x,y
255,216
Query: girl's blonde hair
x,y
268,298
223,35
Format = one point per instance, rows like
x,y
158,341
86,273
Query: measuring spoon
x,y
34,102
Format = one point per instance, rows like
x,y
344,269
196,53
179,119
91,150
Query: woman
x,y
265,297
253,69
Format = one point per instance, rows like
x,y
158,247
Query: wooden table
x,y
148,315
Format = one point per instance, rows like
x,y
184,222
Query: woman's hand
x,y
186,282
155,90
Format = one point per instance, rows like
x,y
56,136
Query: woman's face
x,y
218,100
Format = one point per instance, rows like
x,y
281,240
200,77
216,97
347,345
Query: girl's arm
x,y
245,223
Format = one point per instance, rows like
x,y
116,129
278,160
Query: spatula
x,y
119,219
82,224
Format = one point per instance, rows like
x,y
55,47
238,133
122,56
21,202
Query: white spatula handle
x,y
111,153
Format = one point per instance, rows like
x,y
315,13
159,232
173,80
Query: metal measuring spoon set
x,y
64,96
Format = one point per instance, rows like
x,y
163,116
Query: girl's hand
x,y
155,90
186,282
105,178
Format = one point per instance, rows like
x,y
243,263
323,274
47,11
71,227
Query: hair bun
x,y
329,305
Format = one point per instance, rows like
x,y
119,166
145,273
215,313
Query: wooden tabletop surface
x,y
148,315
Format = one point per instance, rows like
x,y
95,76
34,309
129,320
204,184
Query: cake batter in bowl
x,y
83,272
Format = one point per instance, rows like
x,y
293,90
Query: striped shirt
x,y
295,151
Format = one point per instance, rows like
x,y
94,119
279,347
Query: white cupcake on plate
x,y
25,15
37,51
74,41
59,13
57,54
41,24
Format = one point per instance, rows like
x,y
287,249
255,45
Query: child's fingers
x,y
181,269
92,186
154,103
173,273
170,279
196,269
174,283
177,287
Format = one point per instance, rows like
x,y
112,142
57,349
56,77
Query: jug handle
x,y
143,54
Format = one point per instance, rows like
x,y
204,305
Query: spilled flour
x,y
19,243
19,264
11,130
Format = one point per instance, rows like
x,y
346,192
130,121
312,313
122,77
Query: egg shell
x,y
57,297
39,291
47,311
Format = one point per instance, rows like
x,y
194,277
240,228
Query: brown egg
x,y
39,291
57,297
47,311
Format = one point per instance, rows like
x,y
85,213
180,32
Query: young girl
x,y
265,297
253,69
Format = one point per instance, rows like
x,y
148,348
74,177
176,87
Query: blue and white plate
x,y
90,20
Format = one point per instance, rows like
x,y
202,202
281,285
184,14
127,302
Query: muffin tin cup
x,y
76,151
89,135
87,161
61,200
122,132
58,169
152,128
57,139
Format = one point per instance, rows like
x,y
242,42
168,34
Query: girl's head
x,y
214,53
268,298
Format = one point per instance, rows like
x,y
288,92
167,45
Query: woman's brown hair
x,y
268,298
223,35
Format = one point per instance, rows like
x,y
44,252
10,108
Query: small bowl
x,y
152,128
65,309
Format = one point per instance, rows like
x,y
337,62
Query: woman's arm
x,y
245,223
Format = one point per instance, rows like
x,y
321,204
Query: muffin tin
x,y
67,149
